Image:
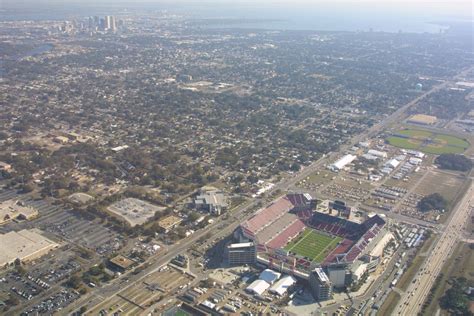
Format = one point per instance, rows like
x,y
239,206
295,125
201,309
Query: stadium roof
x,y
258,287
269,276
282,285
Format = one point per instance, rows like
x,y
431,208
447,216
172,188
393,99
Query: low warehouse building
x,y
169,222
121,263
377,153
26,245
10,210
341,163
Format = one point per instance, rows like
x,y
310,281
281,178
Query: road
x,y
412,300
98,295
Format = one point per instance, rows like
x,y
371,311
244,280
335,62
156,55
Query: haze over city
x,y
236,157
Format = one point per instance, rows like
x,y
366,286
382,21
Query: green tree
x,y
433,201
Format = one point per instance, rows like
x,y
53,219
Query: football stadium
x,y
291,237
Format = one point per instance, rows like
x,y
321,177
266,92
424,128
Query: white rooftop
x,y
282,285
241,245
321,275
24,244
269,276
258,287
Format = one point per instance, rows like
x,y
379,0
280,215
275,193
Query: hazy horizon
x,y
339,15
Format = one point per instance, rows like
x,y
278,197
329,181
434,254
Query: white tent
x,y
257,287
282,285
269,276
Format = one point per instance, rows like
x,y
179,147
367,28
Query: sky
x,y
458,9
444,3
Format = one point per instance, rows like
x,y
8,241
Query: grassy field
x,y
455,141
313,245
428,142
389,305
319,177
404,142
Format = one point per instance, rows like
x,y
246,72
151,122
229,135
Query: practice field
x,y
313,245
428,142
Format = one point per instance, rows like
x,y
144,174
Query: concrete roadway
x,y
116,286
413,299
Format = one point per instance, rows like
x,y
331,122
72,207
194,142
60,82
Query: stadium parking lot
x,y
344,192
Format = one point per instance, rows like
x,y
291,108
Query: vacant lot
x,y
446,184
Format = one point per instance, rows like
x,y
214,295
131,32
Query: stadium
x,y
290,237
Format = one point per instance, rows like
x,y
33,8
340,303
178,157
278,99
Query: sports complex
x,y
290,237
312,244
428,142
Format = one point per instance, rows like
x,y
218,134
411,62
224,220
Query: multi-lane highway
x,y
412,300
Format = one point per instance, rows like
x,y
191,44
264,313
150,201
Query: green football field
x,y
313,245
428,142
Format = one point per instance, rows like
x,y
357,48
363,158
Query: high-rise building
x,y
110,23
321,286
91,24
102,24
240,254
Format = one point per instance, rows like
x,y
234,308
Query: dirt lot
x,y
449,185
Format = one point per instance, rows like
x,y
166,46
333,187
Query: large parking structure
x,y
314,245
428,142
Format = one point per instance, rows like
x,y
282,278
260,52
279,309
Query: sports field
x,y
313,245
428,142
